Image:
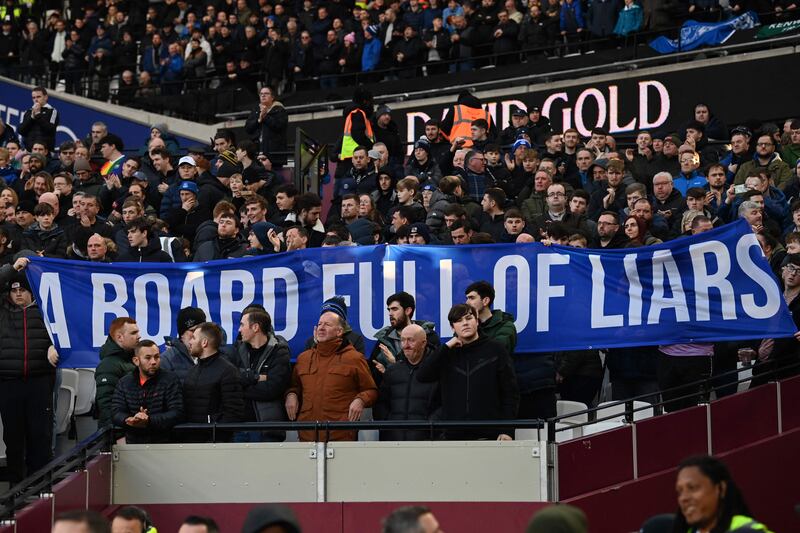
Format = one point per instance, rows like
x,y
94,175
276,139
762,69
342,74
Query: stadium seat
x,y
745,372
368,435
86,391
65,409
70,378
603,411
291,436
599,427
565,407
564,432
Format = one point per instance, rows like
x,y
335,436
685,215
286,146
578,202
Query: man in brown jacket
x,y
330,382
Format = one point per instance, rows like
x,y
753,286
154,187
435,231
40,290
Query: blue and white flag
x,y
713,286
696,34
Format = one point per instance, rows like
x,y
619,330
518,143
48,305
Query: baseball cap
x,y
189,186
187,160
139,176
519,112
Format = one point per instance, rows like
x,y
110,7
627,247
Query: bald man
x,y
401,396
62,217
525,237
97,249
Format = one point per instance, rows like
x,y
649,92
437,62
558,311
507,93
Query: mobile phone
x,y
740,189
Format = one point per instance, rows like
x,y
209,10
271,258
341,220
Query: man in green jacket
x,y
115,361
766,158
497,324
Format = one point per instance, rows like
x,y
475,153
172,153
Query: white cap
x,y
187,160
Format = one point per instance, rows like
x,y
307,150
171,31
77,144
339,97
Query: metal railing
x,y
41,482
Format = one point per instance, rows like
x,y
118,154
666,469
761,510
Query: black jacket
x,y
270,134
160,395
402,397
23,337
114,364
42,127
477,382
220,249
52,242
152,253
264,399
212,392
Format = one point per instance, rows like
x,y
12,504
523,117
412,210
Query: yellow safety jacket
x,y
348,143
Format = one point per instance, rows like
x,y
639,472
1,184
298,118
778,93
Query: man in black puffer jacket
x,y
144,247
148,402
212,391
27,376
401,395
264,364
476,376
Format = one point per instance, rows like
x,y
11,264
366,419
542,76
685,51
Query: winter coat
x,y
601,16
326,379
777,169
629,20
24,340
426,173
675,203
40,128
152,253
114,363
212,392
477,383
390,337
160,395
571,17
403,397
270,134
176,358
220,249
264,400
500,327
52,242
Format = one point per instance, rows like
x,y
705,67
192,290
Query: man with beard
x,y
148,401
115,362
388,348
608,233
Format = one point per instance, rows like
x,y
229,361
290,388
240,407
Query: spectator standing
x,y
330,381
147,402
476,376
212,392
267,126
176,358
39,123
115,361
27,373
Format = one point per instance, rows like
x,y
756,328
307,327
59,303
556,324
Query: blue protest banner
x,y
696,34
713,286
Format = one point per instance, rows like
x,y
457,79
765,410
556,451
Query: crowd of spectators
x,y
165,47
89,201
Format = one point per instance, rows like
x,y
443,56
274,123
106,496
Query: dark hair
x,y
731,502
558,230
262,319
581,193
300,229
144,343
132,512
350,196
513,213
404,519
140,224
481,237
599,131
43,209
212,332
288,189
405,300
249,147
611,214
226,134
110,138
92,519
455,209
448,184
483,288
749,194
163,152
340,230
496,194
194,520
306,202
462,223
459,311
39,88
696,192
795,206
407,212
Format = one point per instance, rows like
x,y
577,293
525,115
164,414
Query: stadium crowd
x,y
465,182
160,48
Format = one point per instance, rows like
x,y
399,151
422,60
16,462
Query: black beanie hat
x,y
189,317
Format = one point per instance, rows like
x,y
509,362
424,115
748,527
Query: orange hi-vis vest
x,y
348,143
462,122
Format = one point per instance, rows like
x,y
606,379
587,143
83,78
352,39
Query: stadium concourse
x,y
466,381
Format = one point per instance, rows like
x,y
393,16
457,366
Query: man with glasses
x,y
608,232
765,158
267,125
66,156
557,212
689,176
